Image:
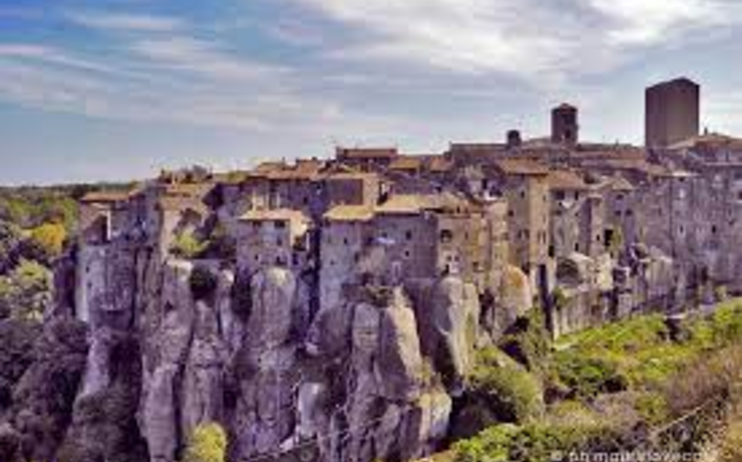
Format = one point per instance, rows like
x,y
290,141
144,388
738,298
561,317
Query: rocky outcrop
x,y
369,377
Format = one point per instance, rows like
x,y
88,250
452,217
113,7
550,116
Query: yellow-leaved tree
x,y
208,443
50,238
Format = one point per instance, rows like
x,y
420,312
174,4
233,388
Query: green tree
x,y
26,291
49,238
208,443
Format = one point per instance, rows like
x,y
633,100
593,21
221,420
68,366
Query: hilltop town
x,y
327,287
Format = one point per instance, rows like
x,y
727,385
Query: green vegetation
x,y
505,387
186,245
208,443
25,291
606,384
49,238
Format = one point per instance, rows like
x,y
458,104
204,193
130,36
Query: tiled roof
x,y
275,215
440,164
710,141
366,153
350,213
566,179
414,203
106,197
406,163
521,167
619,183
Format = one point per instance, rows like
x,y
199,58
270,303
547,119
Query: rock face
x,y
366,374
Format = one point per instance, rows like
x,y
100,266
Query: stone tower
x,y
565,127
672,112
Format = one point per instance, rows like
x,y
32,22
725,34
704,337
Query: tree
x,y
208,443
26,291
49,238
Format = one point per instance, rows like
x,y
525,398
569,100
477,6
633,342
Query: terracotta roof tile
x,y
106,197
350,213
407,163
521,167
566,179
366,153
275,215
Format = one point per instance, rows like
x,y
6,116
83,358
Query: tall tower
x,y
565,126
672,112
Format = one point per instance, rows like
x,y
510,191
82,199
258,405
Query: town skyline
x,y
116,90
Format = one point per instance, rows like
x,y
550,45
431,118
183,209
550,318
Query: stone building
x,y
276,237
565,128
367,159
672,112
524,185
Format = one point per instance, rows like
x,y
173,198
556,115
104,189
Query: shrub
x,y
26,291
505,387
588,376
530,443
208,443
528,342
186,245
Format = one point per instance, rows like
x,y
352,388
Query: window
x,y
577,247
446,235
280,224
407,254
408,235
713,229
256,224
559,195
279,242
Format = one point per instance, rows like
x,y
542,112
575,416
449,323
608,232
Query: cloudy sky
x,y
116,89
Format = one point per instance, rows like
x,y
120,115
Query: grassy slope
x,y
620,383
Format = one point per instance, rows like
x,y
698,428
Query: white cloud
x,y
651,22
125,21
533,40
204,57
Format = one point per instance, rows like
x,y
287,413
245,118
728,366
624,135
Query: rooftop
x,y
566,179
275,215
521,167
350,213
366,153
106,197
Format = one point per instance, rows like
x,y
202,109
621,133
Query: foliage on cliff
x,y
208,443
630,385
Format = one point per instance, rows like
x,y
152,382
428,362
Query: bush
x,y
208,443
529,342
26,291
586,377
507,389
188,246
530,443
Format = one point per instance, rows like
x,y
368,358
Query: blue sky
x,y
117,89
